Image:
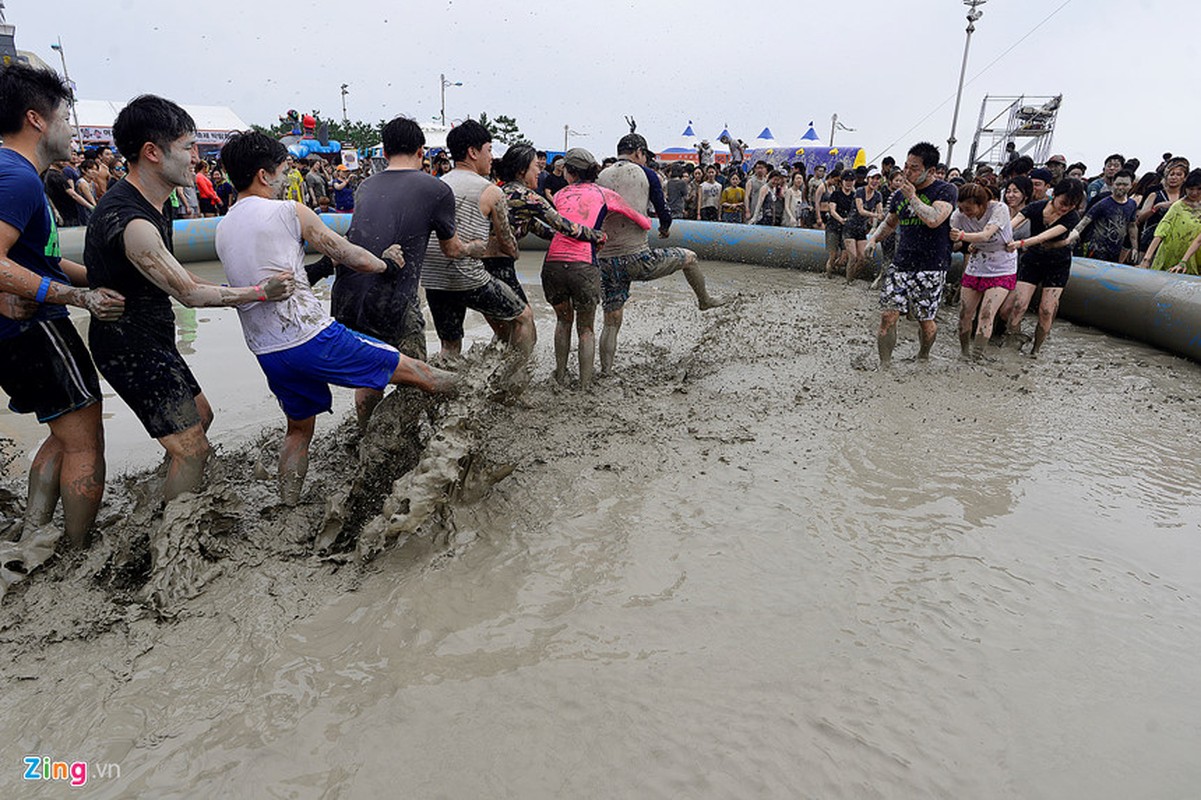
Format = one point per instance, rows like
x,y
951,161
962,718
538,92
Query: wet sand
x,y
748,566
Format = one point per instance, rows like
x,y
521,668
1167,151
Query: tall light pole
x,y
568,131
345,119
973,14
442,84
74,112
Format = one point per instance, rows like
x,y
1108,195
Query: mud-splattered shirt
x,y
531,213
921,248
989,259
640,187
257,240
107,264
1109,232
396,206
587,203
1052,252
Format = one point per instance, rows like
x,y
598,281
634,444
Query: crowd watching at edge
x,y
1018,224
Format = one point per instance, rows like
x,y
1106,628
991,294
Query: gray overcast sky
x,y
1123,66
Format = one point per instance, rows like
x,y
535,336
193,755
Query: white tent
x,y
214,124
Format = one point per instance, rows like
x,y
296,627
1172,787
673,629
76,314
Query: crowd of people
x,y
848,203
451,227
1018,225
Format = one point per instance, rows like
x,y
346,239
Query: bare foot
x,y
712,302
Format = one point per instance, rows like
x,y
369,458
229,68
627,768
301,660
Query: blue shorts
x,y
300,376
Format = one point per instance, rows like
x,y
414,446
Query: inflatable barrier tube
x,y
194,238
1159,308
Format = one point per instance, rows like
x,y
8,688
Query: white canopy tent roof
x,y
214,124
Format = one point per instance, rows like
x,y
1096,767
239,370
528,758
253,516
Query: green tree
x,y
355,134
504,129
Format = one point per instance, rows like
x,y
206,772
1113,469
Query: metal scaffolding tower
x,y
1027,120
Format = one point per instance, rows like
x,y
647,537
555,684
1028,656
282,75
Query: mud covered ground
x,y
748,565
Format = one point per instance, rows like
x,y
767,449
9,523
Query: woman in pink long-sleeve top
x,y
570,276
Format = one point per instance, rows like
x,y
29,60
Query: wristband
x,y
43,290
1021,244
261,293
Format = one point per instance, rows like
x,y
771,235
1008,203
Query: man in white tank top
x,y
300,347
481,212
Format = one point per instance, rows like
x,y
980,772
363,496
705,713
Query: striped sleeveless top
x,y
460,274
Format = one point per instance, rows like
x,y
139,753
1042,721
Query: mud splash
x,y
747,566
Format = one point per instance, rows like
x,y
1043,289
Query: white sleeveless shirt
x,y
256,240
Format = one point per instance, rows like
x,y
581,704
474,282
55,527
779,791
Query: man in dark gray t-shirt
x,y
396,206
401,205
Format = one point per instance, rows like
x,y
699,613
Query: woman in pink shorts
x,y
982,225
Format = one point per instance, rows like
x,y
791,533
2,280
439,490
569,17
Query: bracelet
x,y
261,293
1021,243
43,290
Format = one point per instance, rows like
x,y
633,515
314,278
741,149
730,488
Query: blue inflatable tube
x,y
1159,308
195,239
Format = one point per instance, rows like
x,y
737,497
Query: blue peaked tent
x,y
810,135
764,139
684,147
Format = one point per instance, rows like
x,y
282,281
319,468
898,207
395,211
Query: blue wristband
x,y
43,290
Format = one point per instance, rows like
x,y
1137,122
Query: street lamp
x,y
973,14
74,112
443,83
345,120
566,131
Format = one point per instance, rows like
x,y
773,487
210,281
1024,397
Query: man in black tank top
x,y
128,248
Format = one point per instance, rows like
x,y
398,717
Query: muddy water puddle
x,y
746,567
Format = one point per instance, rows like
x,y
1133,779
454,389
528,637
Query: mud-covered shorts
x,y
141,361
495,299
46,370
833,237
617,272
577,281
921,291
505,269
1038,272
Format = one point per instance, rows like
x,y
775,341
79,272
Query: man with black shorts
x,y
626,255
129,249
44,367
453,285
922,209
301,349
